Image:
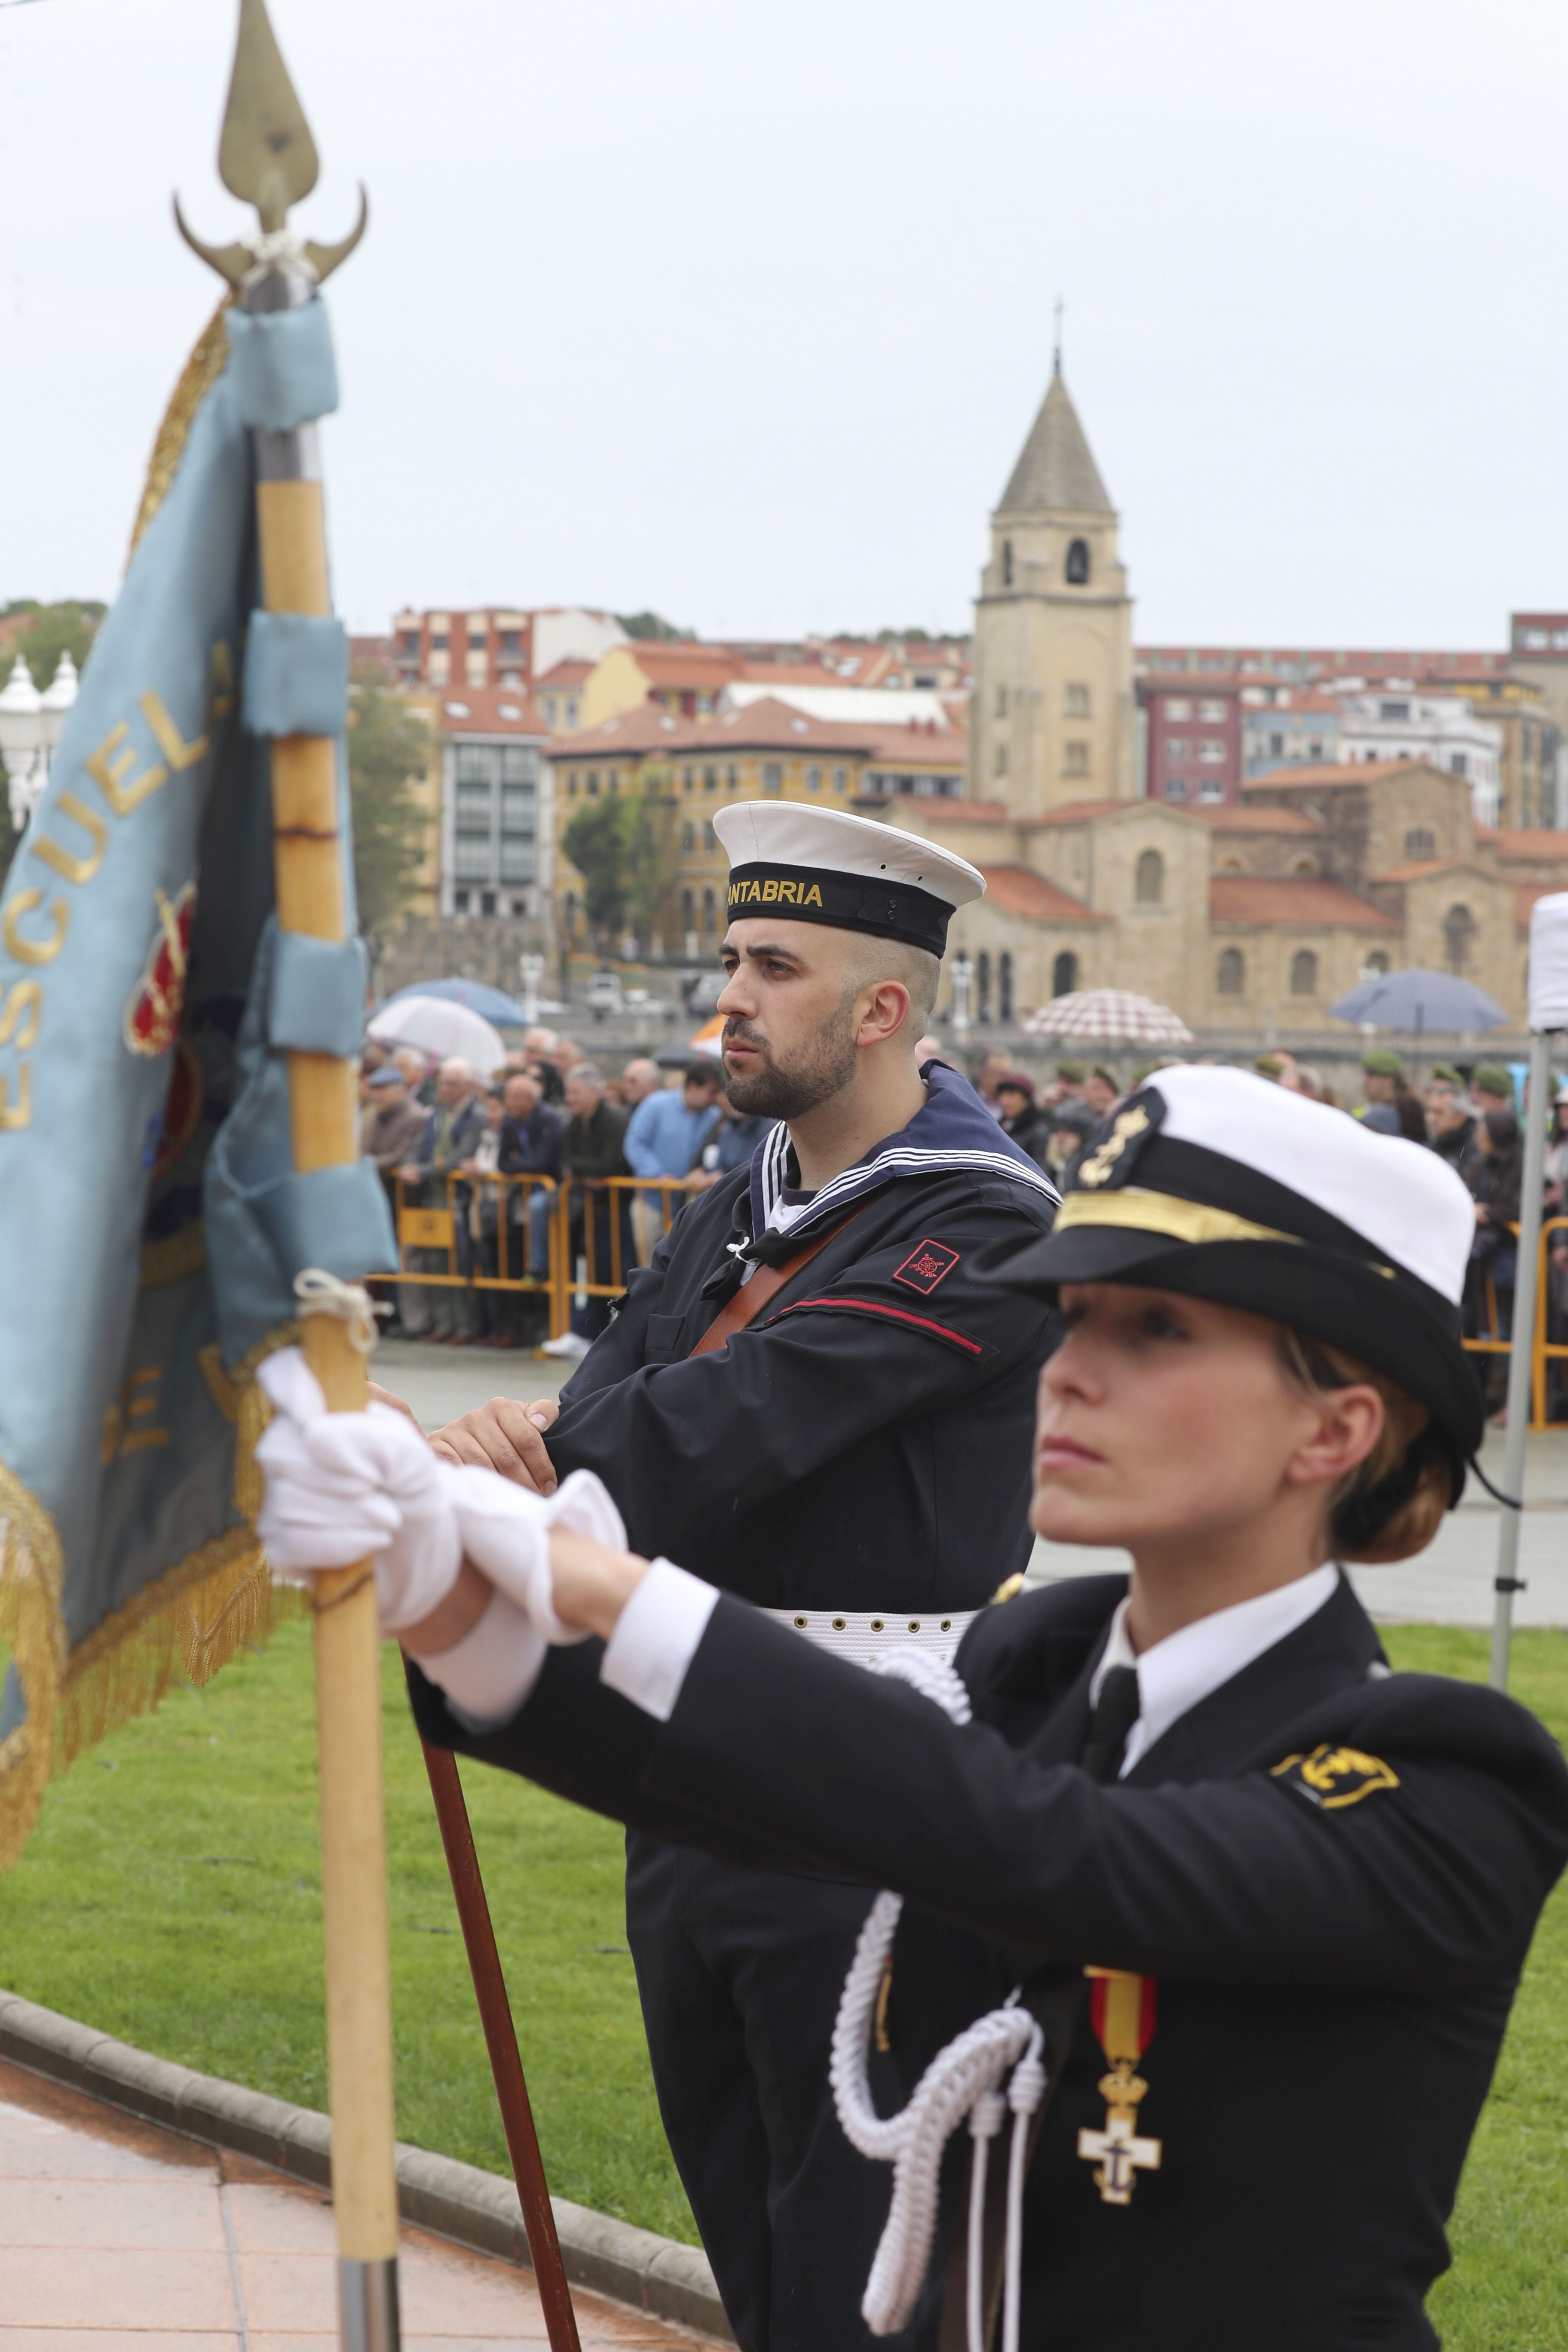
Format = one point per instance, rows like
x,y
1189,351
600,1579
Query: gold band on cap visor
x,y
1136,1209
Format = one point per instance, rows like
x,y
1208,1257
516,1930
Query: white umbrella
x,y
1109,1016
440,1027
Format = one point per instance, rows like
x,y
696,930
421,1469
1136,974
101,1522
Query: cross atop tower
x,y
1057,308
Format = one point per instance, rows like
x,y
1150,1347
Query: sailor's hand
x,y
347,1486
592,1582
505,1436
398,1404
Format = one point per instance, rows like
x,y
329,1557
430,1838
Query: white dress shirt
x,y
1175,1674
491,1671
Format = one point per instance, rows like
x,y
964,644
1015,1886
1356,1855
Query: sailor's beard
x,y
788,1090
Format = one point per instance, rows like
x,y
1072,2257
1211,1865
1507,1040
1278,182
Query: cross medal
x,y
1121,2009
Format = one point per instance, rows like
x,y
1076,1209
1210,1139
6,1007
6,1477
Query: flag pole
x,y
500,2041
267,157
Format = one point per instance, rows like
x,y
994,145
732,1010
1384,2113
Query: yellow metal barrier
x,y
595,1231
1543,1351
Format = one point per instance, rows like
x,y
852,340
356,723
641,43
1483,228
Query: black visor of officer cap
x,y
1216,1184
823,866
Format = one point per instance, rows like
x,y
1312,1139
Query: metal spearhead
x,y
267,157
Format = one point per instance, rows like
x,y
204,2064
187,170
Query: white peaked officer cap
x,y
821,866
1217,1184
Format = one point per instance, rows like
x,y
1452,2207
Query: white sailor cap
x,y
823,866
1217,1184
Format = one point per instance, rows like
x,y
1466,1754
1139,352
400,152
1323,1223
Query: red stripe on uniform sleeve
x,y
894,1315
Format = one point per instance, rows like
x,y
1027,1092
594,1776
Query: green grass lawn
x,y
169,1895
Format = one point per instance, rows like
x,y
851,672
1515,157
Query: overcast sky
x,y
742,311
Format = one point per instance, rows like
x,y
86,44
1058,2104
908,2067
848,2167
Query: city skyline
x,y
661,312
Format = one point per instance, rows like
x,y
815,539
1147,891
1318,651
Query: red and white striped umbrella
x,y
1109,1016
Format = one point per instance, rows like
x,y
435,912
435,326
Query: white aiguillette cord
x,y
320,1293
962,2080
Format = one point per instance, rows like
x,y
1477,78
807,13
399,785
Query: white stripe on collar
x,y
1175,1674
898,1160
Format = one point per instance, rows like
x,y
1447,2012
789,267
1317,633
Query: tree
x,y
41,633
389,747
598,842
651,625
625,850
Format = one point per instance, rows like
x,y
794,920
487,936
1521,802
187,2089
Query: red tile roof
x,y
1020,891
690,668
919,747
565,674
1249,898
1418,869
763,725
1355,772
1080,811
962,812
490,711
1533,842
1231,819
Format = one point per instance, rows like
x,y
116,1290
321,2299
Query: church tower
x,y
1052,718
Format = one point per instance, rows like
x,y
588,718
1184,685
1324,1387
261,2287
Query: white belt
x,y
864,1636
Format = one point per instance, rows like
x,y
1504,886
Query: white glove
x,y
342,1486
506,1533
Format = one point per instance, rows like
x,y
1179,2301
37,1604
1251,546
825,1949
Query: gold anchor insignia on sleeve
x,y
1121,2009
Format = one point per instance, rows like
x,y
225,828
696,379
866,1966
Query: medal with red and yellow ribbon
x,y
1122,2009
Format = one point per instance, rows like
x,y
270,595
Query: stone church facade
x,y
1254,916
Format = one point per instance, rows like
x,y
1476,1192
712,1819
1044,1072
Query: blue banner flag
x,y
151,1221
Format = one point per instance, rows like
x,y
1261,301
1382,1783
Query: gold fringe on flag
x,y
182,1627
208,358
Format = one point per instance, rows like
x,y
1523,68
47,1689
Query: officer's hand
x,y
505,1436
399,1405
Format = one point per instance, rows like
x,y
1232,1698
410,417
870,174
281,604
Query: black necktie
x,y
1115,1713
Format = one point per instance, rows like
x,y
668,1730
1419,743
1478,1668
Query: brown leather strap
x,y
766,1283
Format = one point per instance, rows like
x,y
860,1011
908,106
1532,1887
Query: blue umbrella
x,y
1422,1000
491,1004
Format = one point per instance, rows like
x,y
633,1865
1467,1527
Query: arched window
x,y
1077,564
1064,973
1459,936
1420,842
1230,979
708,913
1005,988
1006,563
687,911
1149,882
982,985
1303,866
1001,702
1303,973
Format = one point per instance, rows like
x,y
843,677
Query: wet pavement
x,y
116,2235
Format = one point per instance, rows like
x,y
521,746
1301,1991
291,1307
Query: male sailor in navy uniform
x,y
1266,1903
853,1457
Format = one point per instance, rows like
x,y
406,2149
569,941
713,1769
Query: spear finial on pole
x,y
267,157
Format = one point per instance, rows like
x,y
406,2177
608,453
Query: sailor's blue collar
x,y
952,1129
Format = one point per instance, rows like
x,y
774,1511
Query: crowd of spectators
x,y
439,1130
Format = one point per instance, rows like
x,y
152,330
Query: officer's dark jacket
x,y
864,1443
1334,1976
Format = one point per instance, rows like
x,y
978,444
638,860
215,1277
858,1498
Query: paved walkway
x,y
115,2236
1449,1584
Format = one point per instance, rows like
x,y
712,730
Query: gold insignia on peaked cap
x,y
1127,1128
1140,1211
1009,1586
1331,1777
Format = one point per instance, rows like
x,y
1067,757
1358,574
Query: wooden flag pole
x,y
267,157
500,2040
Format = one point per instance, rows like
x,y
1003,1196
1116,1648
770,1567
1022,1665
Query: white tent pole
x,y
1507,1580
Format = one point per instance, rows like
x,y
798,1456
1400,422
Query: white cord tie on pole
x,y
963,2081
320,1293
